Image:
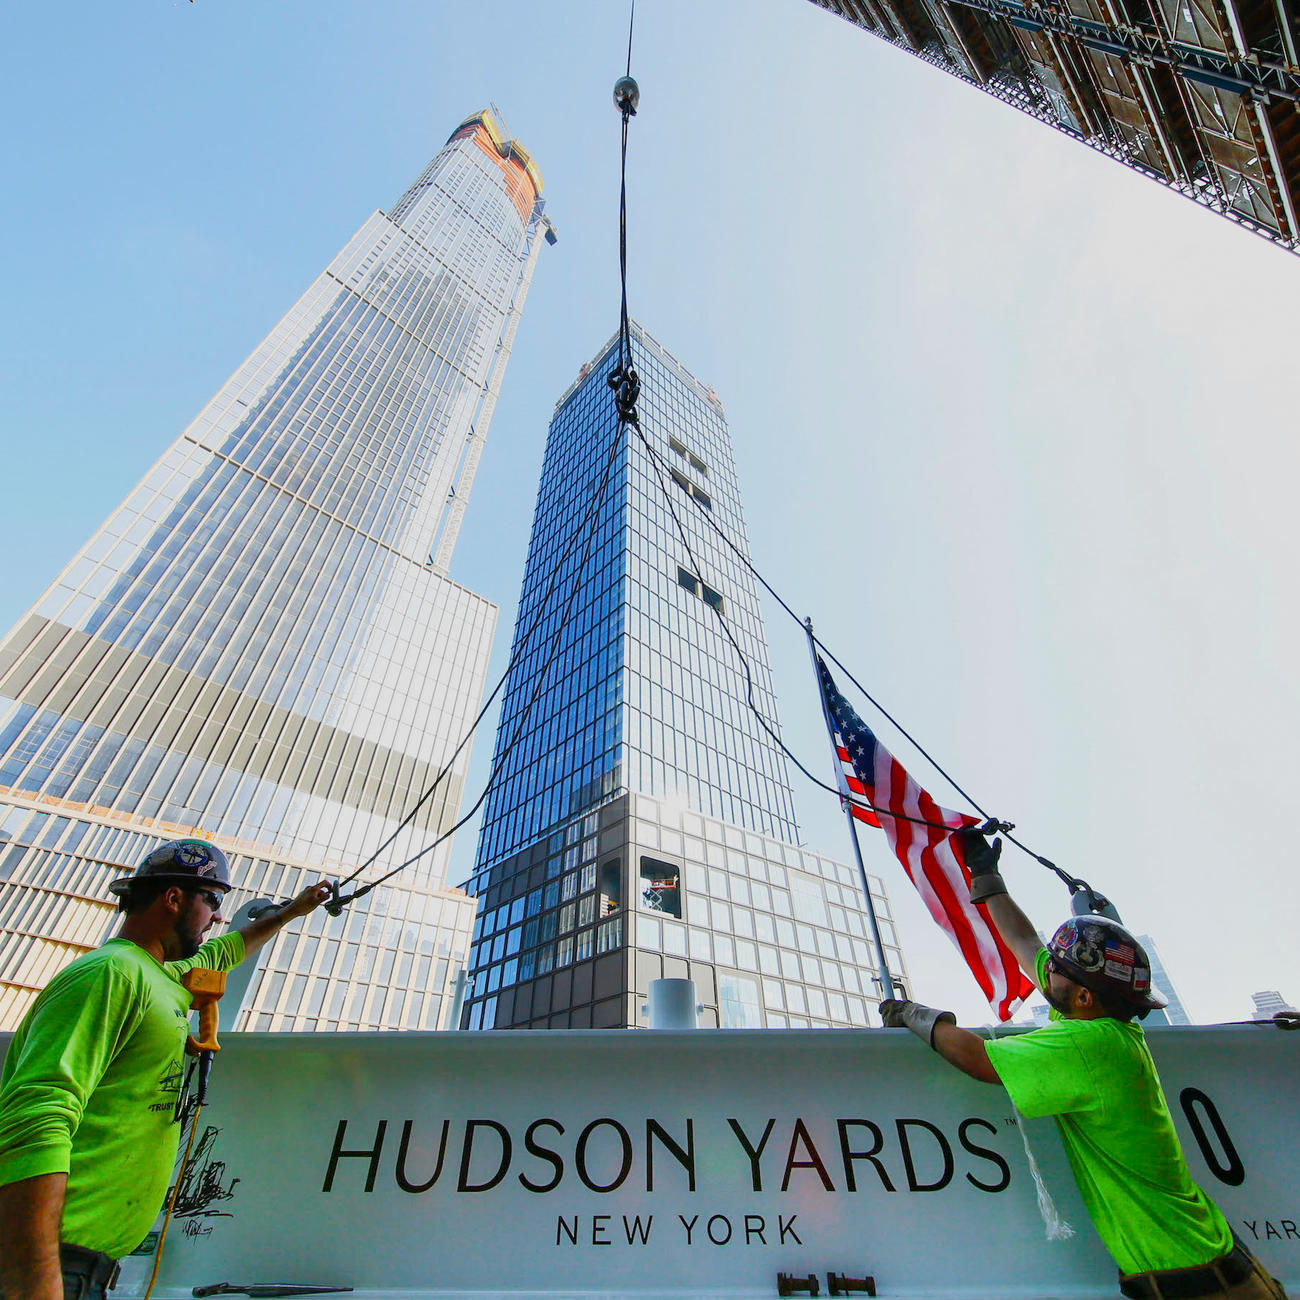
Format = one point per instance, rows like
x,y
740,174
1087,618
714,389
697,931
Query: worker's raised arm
x,y
988,887
1016,930
266,926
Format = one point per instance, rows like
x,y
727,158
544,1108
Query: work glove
x,y
982,863
899,1014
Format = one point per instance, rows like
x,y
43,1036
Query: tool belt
x,y
98,1269
1184,1283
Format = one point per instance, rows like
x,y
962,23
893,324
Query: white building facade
x,y
261,645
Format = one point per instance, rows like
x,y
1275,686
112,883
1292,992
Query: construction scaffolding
x,y
1201,95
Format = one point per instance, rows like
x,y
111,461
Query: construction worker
x,y
1091,1070
90,1085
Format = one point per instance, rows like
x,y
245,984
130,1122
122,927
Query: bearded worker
x,y
1090,1069
90,1084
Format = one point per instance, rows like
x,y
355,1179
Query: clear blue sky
x,y
1016,427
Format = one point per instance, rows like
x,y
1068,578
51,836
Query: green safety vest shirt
x,y
1096,1078
90,1083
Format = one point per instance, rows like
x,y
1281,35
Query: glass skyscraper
x,y
1268,1002
641,822
261,644
1175,1013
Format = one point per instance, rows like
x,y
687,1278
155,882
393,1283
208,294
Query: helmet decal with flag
x,y
180,862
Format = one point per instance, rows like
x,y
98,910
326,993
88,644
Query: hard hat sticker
x,y
1088,956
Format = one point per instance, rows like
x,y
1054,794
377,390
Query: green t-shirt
x,y
89,1087
1097,1079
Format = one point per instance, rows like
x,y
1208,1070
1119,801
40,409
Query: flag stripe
x,y
943,901
929,854
975,942
850,785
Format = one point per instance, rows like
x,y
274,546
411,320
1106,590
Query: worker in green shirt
x,y
90,1084
1090,1069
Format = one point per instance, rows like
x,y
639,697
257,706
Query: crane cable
x,y
624,381
557,645
625,384
992,824
623,378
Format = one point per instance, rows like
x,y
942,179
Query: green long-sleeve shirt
x,y
1097,1079
90,1082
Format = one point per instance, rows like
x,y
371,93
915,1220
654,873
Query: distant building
x,y
641,823
1175,1013
1268,1003
1200,95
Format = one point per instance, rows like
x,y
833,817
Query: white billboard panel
x,y
695,1162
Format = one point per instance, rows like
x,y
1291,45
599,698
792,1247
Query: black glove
x,y
895,1013
982,863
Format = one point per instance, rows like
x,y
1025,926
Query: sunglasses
x,y
209,896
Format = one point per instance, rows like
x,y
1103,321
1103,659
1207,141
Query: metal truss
x,y
1254,79
1243,76
1027,96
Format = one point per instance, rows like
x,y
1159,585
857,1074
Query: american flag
x,y
867,773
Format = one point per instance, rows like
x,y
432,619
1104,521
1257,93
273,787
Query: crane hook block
x,y
627,95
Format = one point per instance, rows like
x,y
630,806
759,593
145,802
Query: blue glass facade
x,y
641,819
1175,1013
261,644
646,693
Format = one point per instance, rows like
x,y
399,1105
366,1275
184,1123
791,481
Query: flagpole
x,y
885,979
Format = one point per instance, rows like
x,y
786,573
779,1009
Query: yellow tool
x,y
205,987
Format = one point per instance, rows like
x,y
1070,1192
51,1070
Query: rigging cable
x,y
172,1199
623,380
1074,883
859,800
625,384
627,388
776,595
521,645
558,644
